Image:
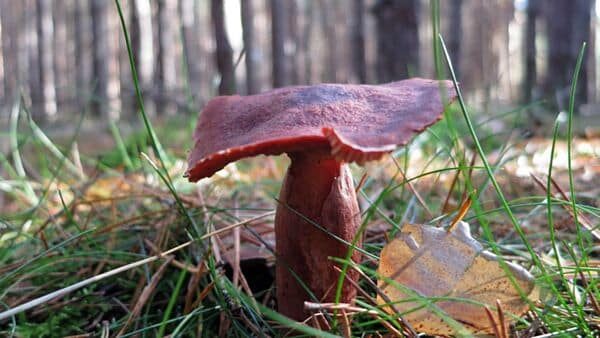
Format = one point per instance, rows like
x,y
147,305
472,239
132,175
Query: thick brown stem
x,y
321,190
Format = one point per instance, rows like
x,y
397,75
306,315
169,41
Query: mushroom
x,y
321,128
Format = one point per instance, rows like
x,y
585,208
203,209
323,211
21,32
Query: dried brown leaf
x,y
436,263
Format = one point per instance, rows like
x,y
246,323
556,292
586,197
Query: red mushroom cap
x,y
356,123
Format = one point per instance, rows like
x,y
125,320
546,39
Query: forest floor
x,y
73,213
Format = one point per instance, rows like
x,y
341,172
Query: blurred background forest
x,y
65,57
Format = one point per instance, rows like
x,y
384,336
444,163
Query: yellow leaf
x,y
435,263
107,187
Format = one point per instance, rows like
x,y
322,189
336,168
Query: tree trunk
x,y
293,41
592,75
2,91
454,35
32,56
142,42
224,52
397,39
279,33
167,60
106,68
62,65
252,53
305,57
26,46
568,26
328,24
486,24
10,29
191,47
83,56
530,51
357,41
581,10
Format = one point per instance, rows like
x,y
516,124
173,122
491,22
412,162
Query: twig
x,y
413,189
357,287
174,262
501,318
462,211
403,323
360,184
192,285
346,324
450,190
145,295
493,322
236,250
583,220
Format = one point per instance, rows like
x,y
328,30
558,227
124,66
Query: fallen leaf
x,y
432,262
107,187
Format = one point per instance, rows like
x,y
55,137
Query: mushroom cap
x,y
357,123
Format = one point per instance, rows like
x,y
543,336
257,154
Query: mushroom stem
x,y
320,189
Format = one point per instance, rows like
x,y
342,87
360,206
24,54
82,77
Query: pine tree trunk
x,y
303,54
397,39
191,46
2,91
167,60
581,11
293,41
26,65
106,68
357,41
83,55
32,55
252,53
330,72
279,29
142,42
9,45
530,50
455,33
62,57
224,52
568,26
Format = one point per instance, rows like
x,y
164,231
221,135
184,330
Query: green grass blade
x,y
121,145
172,301
16,155
156,146
46,142
570,147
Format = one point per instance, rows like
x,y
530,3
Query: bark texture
x,y
568,26
357,41
279,33
224,52
397,39
252,52
106,68
45,31
190,30
530,50
167,55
